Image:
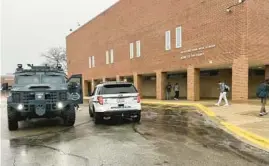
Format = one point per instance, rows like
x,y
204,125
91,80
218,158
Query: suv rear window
x,y
118,88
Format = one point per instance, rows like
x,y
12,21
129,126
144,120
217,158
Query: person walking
x,y
224,89
168,90
263,94
176,89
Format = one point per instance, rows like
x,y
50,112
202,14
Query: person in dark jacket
x,y
168,90
263,94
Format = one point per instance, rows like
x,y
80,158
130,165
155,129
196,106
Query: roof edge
x,y
94,18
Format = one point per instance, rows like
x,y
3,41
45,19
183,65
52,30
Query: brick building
x,y
193,42
7,79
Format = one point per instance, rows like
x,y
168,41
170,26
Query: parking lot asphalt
x,y
165,136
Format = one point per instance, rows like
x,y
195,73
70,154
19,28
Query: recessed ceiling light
x,y
259,67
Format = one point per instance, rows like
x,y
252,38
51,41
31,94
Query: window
x,y
28,79
93,61
52,79
138,53
90,62
107,57
167,40
178,37
117,89
111,56
131,50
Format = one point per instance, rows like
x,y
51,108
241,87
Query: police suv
x,y
113,99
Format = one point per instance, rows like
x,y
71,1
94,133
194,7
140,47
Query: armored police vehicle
x,y
43,92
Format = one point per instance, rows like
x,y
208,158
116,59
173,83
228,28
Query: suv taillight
x,y
138,99
100,100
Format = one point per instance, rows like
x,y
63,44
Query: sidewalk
x,y
242,119
245,116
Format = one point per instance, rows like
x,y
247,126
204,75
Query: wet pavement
x,y
165,136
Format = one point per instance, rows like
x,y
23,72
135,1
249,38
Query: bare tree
x,y
55,56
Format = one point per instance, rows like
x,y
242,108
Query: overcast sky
x,y
30,27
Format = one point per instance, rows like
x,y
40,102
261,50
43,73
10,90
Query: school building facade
x,y
194,43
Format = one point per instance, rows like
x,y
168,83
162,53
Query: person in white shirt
x,y
176,89
224,89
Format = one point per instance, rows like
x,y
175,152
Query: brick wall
x,y
203,23
258,33
241,40
267,72
193,87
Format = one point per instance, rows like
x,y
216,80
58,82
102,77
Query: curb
x,y
241,133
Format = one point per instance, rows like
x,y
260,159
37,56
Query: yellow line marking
x,y
261,141
255,139
200,106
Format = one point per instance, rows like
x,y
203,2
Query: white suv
x,y
115,99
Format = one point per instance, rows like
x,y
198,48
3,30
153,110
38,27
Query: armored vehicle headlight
x,y
60,105
20,107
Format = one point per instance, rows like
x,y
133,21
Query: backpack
x,y
261,91
226,88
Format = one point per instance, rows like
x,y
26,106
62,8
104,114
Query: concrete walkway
x,y
245,116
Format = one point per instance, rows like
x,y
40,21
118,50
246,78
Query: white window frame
x,y
131,50
111,56
179,37
138,48
168,40
90,62
93,61
107,57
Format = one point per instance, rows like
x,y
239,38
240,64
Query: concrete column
x,y
267,72
161,82
93,84
118,78
193,83
240,79
85,88
138,83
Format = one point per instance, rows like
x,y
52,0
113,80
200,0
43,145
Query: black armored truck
x,y
43,92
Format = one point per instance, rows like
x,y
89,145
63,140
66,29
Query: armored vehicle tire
x,y
12,119
97,118
90,112
69,116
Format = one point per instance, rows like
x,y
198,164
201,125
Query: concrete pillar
x,y
138,83
240,79
93,84
85,87
161,82
118,78
240,66
193,83
267,72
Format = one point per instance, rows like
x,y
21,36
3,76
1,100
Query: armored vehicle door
x,y
75,88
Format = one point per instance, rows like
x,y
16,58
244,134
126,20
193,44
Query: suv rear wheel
x,y
90,112
69,116
97,118
12,119
137,119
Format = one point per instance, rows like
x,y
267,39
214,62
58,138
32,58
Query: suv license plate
x,y
120,100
